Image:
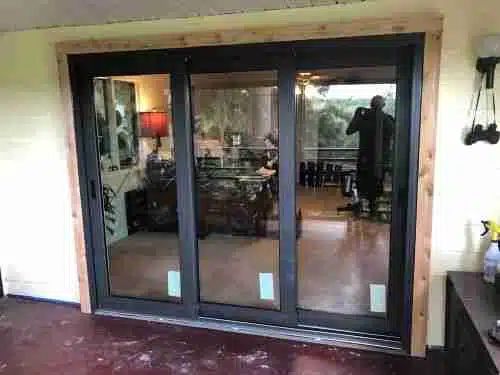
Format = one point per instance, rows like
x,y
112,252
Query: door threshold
x,y
306,334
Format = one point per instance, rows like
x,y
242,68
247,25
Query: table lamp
x,y
154,125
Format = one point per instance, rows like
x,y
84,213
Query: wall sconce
x,y
489,57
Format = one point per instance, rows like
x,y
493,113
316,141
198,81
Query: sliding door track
x,y
304,334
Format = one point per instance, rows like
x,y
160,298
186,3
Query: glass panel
x,y
137,163
345,133
236,150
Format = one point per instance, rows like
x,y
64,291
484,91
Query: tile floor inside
x,y
338,259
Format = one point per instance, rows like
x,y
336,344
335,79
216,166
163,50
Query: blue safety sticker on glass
x,y
266,285
174,284
377,298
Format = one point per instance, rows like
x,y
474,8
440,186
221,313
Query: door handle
x,y
93,192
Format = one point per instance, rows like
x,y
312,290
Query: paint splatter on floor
x,y
46,339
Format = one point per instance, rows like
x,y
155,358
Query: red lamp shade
x,y
154,124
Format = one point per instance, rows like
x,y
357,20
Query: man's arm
x,y
355,122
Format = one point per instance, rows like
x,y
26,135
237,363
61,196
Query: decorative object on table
x,y
489,57
154,125
109,210
492,256
106,163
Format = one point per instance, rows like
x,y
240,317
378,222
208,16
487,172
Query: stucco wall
x,y
36,244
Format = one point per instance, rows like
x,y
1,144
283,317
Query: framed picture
x,y
116,121
102,118
126,122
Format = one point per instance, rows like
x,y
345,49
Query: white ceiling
x,y
29,14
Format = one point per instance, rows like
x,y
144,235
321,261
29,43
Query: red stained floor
x,y
49,339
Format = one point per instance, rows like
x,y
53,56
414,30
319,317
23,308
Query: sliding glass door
x,y
236,103
137,173
132,168
236,155
346,161
265,183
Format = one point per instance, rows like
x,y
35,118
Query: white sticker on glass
x,y
266,286
377,298
174,283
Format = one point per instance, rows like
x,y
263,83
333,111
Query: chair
x,y
320,174
302,173
310,173
329,173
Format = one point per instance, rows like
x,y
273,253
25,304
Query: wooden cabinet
x,y
470,312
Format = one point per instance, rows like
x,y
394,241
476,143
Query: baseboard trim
x,y
44,300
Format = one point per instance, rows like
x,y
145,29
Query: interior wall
x,y
37,248
150,91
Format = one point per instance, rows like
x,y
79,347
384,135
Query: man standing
x,y
375,129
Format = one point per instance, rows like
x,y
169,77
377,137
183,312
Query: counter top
x,y
482,304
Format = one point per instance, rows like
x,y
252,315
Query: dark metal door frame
x,y
408,62
405,51
83,68
280,60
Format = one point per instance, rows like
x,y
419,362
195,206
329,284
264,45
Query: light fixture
x,y
488,57
305,78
